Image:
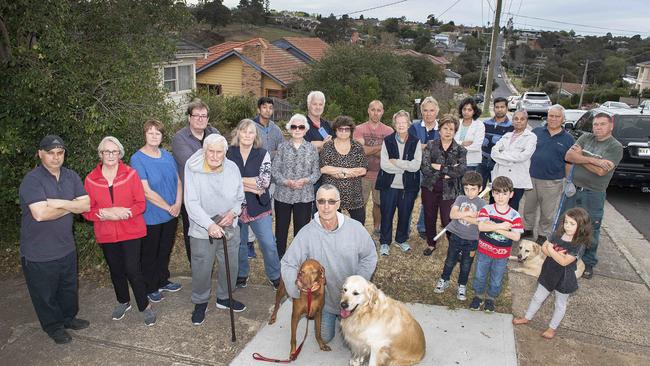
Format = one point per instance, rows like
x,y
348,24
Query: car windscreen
x,y
537,97
632,127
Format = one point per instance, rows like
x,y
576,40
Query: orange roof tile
x,y
314,47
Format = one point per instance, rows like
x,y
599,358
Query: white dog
x,y
531,258
377,327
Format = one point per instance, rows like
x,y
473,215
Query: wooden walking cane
x,y
230,299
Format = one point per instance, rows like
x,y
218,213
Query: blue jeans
x,y
594,203
401,200
466,249
328,326
495,268
263,229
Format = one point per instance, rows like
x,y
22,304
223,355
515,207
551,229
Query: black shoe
x,y
77,324
242,282
60,336
423,235
275,283
527,234
588,273
476,303
198,315
226,304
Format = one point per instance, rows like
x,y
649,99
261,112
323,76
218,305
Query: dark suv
x,y
632,130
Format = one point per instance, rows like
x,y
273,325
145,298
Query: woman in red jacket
x,y
116,205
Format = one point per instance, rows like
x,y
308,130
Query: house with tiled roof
x,y
177,76
307,49
255,67
568,89
436,60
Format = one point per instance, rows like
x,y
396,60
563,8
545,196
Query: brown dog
x,y
311,276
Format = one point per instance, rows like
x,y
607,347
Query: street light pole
x,y
493,56
584,81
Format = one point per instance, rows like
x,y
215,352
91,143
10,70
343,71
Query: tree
x,y
82,70
432,21
391,25
423,72
214,13
351,77
327,29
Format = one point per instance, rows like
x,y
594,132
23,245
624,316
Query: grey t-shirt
x,y
462,228
609,149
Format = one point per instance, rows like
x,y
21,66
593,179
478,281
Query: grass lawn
x,y
236,32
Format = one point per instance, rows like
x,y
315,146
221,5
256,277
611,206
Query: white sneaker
x,y
404,246
461,293
384,249
441,286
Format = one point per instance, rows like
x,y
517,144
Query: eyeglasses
x,y
297,127
344,129
199,116
322,201
111,152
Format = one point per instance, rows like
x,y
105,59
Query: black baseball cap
x,y
50,142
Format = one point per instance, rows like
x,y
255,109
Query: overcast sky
x,y
620,17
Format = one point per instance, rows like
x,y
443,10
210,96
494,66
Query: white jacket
x,y
476,134
513,159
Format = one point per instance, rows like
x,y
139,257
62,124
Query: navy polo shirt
x,y
547,162
53,239
313,134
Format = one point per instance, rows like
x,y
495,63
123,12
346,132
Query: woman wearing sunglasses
x,y
343,163
295,169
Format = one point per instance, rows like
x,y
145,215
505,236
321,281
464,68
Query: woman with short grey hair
x,y
213,198
295,170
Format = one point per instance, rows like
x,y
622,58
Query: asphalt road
x,y
501,90
633,204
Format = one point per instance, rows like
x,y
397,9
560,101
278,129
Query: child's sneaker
x,y
441,286
461,293
476,303
489,306
384,250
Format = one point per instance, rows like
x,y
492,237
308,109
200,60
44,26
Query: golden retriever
x,y
531,258
311,276
377,327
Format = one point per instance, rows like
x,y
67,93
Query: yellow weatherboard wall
x,y
228,73
268,83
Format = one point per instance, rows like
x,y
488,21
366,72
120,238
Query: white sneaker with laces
x,y
404,246
384,249
461,293
441,286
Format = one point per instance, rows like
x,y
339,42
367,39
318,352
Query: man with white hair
x,y
320,131
213,186
341,245
547,171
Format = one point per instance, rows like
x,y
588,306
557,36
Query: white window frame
x,y
177,80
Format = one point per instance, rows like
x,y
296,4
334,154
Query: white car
x,y
535,103
571,116
615,105
512,102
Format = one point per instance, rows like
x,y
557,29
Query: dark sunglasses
x,y
344,129
297,127
330,202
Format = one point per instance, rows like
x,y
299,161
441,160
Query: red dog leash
x,y
294,355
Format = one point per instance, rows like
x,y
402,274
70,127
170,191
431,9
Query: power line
x,y
490,5
373,8
582,25
446,10
546,27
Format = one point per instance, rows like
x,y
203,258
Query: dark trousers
x,y
433,202
485,169
516,198
156,249
186,237
465,249
123,259
301,217
395,199
358,214
53,289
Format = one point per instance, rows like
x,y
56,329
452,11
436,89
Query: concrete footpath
x,y
607,323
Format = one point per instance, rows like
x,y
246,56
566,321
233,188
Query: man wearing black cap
x,y
49,196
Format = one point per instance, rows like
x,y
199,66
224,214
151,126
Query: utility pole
x,y
540,62
493,56
559,91
584,81
480,75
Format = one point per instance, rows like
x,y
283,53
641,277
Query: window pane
x,y
170,86
170,73
185,77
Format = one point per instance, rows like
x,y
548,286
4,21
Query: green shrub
x,y
227,111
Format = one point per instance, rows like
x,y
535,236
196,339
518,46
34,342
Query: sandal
x,y
427,252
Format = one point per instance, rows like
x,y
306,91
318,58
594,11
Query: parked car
x,y
512,102
535,103
632,130
479,97
571,116
644,107
615,105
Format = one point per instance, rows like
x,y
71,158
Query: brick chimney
x,y
252,78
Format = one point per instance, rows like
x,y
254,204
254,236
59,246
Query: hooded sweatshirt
x,y
345,251
209,193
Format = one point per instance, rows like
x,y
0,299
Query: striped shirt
x,y
492,243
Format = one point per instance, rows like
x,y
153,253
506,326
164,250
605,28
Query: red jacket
x,y
127,192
